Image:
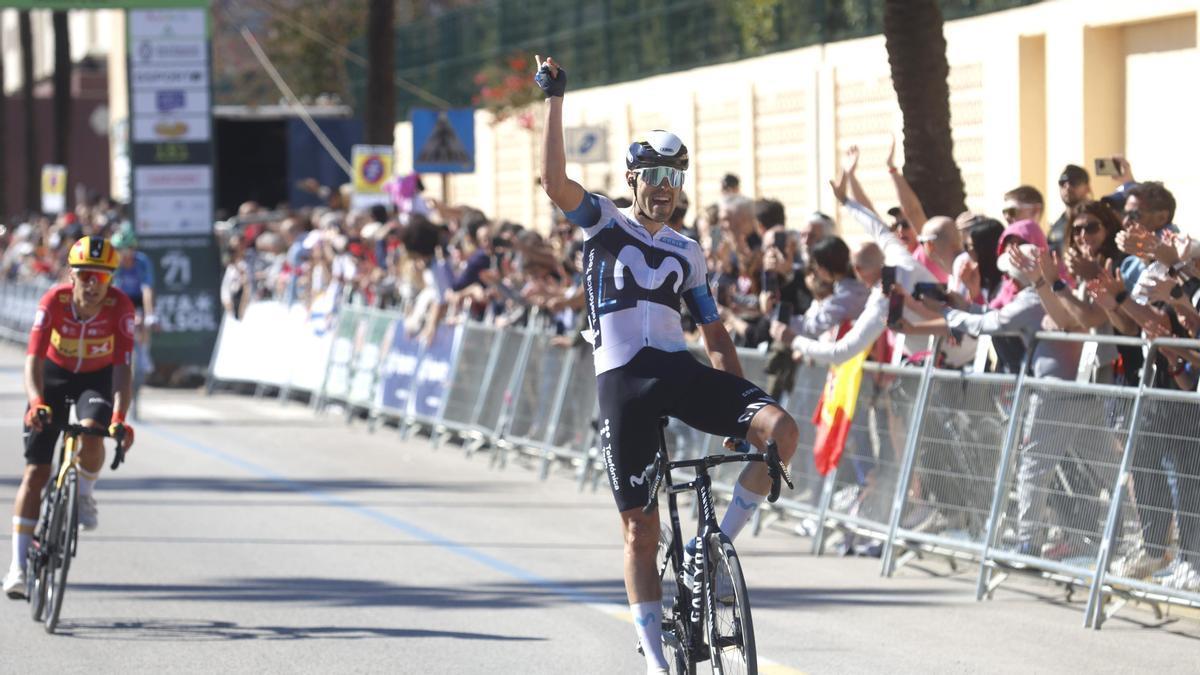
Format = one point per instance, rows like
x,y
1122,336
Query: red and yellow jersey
x,y
82,346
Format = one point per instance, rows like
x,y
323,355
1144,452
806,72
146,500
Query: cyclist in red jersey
x,y
80,349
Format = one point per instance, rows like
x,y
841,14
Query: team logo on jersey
x,y
127,326
677,243
636,481
649,278
39,318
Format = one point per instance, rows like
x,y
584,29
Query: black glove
x,y
553,86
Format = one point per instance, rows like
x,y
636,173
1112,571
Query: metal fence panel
x,y
1156,547
574,428
868,476
1056,493
497,390
959,446
470,377
534,397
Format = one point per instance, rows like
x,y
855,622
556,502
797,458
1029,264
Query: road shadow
x,y
382,543
202,630
329,592
113,483
865,596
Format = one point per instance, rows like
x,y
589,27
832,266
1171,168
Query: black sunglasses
x,y
1133,214
900,225
1092,227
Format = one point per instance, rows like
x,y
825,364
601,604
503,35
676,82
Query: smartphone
x,y
783,312
895,309
888,279
1108,166
770,282
933,290
779,240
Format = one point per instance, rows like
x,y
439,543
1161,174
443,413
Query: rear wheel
x,y
727,617
675,636
36,561
63,537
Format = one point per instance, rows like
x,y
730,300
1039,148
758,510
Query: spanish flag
x,y
835,412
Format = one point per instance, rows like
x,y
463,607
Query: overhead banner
x,y
170,153
372,168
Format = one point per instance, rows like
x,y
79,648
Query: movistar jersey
x,y
635,281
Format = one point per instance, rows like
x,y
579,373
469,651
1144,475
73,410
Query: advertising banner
x,y
399,369
170,154
433,375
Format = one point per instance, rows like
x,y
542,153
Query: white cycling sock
x,y
647,617
87,482
741,507
22,537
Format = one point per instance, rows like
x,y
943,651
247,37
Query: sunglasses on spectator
x,y
1133,214
655,175
1091,227
900,225
98,277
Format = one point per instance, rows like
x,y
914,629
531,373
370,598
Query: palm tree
x,y
380,106
3,146
62,89
32,179
916,50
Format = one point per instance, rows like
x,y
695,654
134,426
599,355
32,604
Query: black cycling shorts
x,y
655,384
92,393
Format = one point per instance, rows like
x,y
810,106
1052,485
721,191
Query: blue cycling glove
x,y
553,86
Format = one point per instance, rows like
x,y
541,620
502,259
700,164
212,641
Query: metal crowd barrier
x,y
1092,485
18,304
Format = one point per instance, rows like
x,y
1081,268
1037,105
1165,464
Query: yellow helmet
x,y
92,252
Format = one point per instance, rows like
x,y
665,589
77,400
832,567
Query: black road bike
x,y
57,535
706,607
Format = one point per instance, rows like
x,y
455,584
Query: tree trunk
x,y
32,177
916,50
62,89
381,63
4,213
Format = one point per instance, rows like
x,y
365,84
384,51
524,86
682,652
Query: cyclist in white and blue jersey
x,y
637,270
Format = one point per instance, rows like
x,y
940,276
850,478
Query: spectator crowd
x,y
805,293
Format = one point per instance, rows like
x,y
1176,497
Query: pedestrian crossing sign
x,y
443,140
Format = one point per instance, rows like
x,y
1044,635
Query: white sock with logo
x,y
87,482
741,508
22,537
647,617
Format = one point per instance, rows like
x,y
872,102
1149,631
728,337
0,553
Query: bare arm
x,y
564,192
122,378
719,347
35,368
909,203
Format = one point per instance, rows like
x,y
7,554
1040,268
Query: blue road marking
x,y
390,521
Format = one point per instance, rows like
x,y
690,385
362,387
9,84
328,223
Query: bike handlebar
x,y
119,437
775,469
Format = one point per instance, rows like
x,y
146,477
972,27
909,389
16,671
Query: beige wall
x,y
1032,89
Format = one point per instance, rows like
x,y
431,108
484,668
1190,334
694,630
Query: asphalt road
x,y
243,536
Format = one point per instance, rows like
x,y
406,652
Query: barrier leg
x,y
1002,469
1093,614
818,547
911,444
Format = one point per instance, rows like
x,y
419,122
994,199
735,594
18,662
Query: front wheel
x,y
676,637
62,547
727,617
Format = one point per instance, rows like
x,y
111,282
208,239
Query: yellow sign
x,y
54,188
372,168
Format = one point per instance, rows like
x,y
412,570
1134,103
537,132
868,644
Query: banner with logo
x,y
372,168
433,375
171,176
399,369
54,189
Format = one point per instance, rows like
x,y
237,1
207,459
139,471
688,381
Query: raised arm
x,y
564,192
910,205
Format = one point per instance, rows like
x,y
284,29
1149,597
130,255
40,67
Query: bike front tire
x,y
728,622
63,535
675,636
